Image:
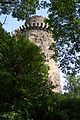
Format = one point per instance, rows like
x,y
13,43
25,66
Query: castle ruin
x,y
38,32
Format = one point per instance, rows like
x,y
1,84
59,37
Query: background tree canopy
x,y
64,19
21,9
25,92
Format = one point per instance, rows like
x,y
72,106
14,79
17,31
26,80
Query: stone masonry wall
x,y
38,33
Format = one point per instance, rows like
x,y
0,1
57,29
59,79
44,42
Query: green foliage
x,y
24,83
73,85
25,92
65,20
20,9
69,107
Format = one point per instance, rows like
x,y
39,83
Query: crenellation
x,y
39,32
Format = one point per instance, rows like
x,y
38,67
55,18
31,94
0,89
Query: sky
x,y
12,24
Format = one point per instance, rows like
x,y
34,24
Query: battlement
x,y
35,22
39,32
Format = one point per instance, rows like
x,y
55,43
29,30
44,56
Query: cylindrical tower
x,y
38,31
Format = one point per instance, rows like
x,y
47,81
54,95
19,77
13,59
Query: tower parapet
x,y
39,32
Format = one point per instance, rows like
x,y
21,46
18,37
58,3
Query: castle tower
x,y
38,31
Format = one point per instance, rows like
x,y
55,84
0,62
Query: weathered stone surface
x,y
36,19
44,39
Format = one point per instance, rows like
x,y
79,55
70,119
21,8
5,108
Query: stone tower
x,y
38,31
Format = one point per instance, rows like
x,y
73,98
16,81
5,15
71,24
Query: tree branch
x,y
6,2
4,21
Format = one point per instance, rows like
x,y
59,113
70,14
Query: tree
x,y
73,85
69,107
21,9
25,92
64,18
24,84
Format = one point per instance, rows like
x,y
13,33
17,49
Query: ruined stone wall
x,y
38,32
